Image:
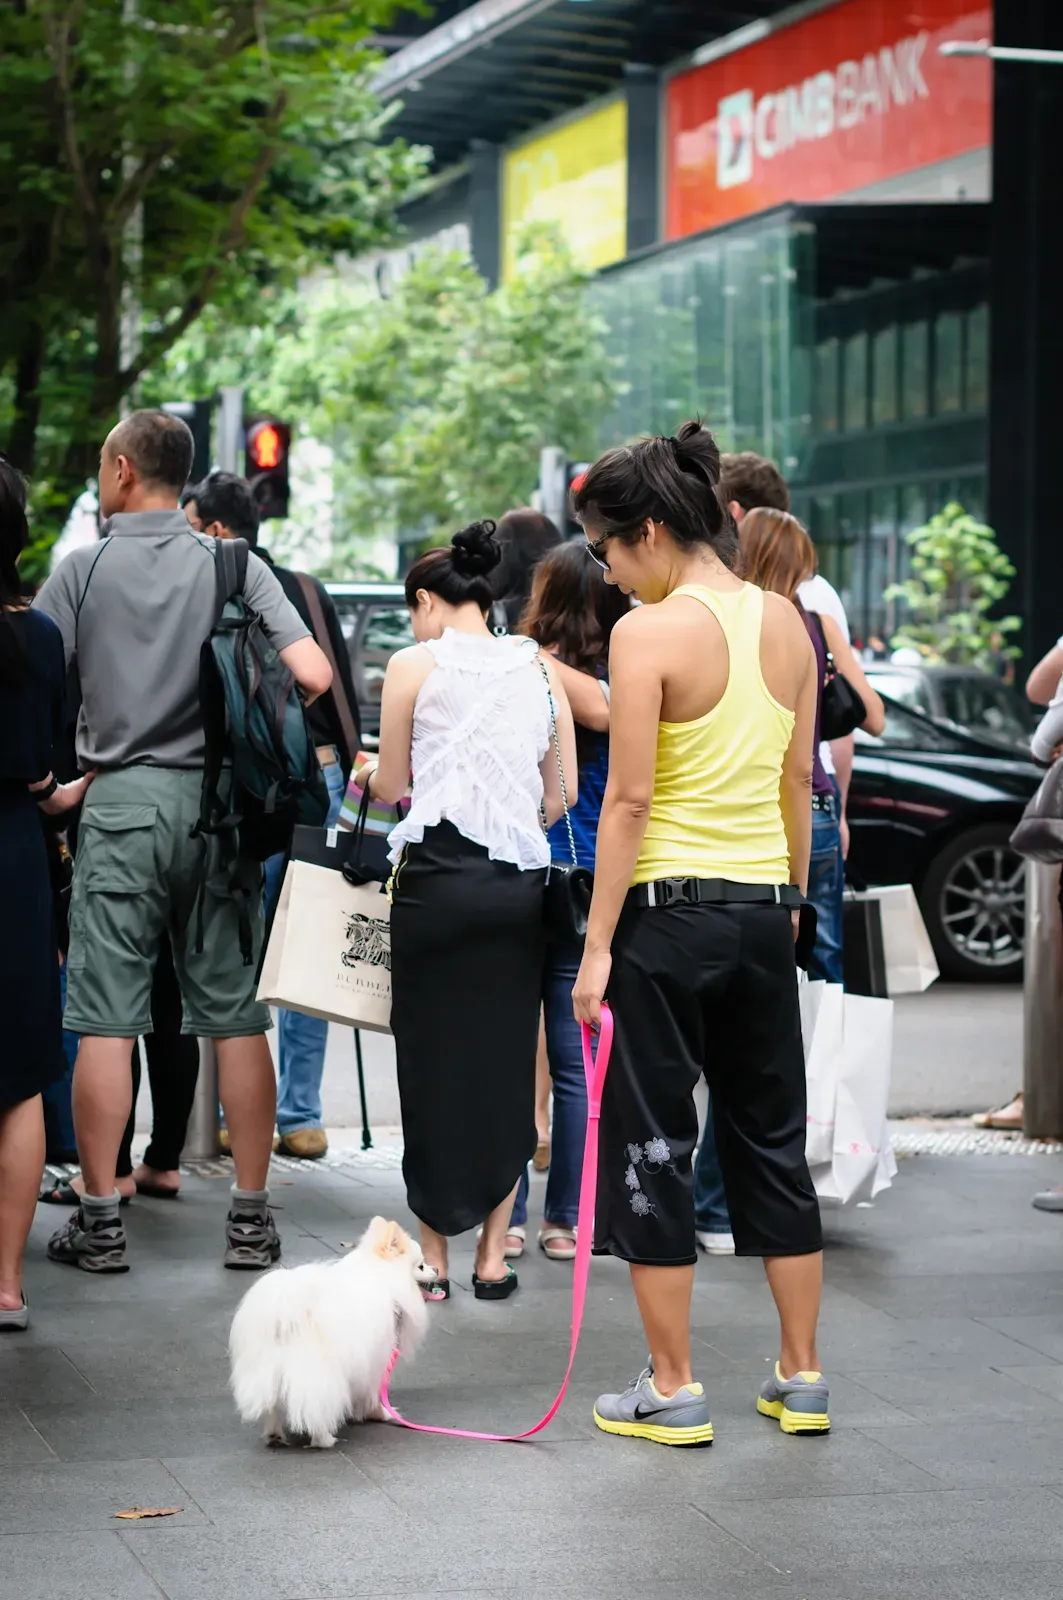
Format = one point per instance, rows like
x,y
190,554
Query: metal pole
x,y
552,486
1043,1005
201,1140
230,426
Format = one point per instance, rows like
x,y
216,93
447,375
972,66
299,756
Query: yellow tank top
x,y
716,810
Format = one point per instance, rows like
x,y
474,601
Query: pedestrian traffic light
x,y
266,464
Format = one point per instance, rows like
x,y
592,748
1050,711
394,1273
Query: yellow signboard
x,y
575,176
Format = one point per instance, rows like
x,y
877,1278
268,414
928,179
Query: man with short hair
x,y
222,505
134,610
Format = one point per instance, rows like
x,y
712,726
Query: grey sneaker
x,y
93,1246
642,1413
1048,1200
799,1404
251,1239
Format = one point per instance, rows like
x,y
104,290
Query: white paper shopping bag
x,y
861,1162
329,951
911,965
822,1031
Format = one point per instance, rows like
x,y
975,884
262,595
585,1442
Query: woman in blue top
x,y
571,614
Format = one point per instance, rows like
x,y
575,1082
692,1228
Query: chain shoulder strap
x,y
560,765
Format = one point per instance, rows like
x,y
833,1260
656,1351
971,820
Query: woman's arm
x,y
1041,684
553,802
850,668
795,788
590,707
389,776
636,692
842,751
1049,731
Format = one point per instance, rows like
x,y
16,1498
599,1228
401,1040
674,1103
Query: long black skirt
x,y
31,1026
466,980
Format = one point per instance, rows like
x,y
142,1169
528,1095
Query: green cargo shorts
x,y
137,876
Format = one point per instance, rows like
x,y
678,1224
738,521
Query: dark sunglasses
x,y
593,548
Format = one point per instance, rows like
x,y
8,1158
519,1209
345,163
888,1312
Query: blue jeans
x,y
826,882
710,1202
565,1050
301,1039
58,1116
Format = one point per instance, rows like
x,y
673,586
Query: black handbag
x,y
1039,835
841,708
568,885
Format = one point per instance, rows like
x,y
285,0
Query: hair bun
x,y
697,451
474,550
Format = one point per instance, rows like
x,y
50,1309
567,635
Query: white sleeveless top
x,y
481,726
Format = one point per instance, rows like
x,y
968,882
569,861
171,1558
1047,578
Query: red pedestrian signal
x,y
266,464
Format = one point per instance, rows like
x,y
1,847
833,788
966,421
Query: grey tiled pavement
x,y
943,1479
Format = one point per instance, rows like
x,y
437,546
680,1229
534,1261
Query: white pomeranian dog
x,y
309,1345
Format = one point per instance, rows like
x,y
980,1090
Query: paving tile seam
x,y
146,1570
758,1555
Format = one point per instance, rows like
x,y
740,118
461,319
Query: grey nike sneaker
x,y
251,1239
643,1413
93,1246
799,1404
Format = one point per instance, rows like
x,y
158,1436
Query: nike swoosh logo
x,y
641,1416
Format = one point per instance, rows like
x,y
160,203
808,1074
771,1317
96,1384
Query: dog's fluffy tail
x,y
268,1320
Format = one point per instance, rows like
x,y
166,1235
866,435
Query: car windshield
x,y
908,730
904,688
985,705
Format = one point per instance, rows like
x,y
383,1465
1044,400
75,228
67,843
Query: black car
x,y
935,807
375,622
962,699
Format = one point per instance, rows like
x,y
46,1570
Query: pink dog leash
x,y
595,1067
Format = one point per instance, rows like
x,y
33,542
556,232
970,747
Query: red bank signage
x,y
849,96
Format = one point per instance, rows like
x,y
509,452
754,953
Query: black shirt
x,y
322,715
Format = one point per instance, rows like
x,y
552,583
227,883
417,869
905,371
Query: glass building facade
x,y
817,338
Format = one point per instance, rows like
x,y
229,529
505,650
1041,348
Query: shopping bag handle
x,y
595,1068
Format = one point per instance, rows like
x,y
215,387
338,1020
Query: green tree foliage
x,y
959,573
437,401
170,155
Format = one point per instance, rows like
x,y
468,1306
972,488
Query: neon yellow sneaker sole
x,y
794,1421
702,1434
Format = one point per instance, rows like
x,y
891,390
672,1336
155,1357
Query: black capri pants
x,y
704,989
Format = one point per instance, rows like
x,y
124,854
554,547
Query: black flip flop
x,y
494,1288
60,1193
154,1192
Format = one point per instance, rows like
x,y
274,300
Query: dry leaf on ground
x,y
135,1513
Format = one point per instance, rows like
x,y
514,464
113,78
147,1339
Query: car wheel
x,y
974,902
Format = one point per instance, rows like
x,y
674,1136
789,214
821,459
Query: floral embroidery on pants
x,y
654,1157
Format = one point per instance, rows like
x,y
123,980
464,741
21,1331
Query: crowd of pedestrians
x,y
644,704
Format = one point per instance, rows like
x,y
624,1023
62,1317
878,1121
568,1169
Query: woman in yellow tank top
x,y
702,862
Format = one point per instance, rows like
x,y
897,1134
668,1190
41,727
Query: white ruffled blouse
x,y
481,726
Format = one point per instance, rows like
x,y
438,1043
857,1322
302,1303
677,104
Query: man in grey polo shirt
x,y
134,610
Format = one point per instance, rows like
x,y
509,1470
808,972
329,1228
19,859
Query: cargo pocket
x,y
116,850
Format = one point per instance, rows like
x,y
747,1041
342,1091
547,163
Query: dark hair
x,y
524,537
457,572
158,444
573,610
14,535
672,481
753,481
777,553
225,497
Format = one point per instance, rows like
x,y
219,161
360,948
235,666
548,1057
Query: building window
x,y
827,419
915,370
976,386
884,377
948,363
854,382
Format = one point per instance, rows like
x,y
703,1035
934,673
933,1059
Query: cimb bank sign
x,y
828,105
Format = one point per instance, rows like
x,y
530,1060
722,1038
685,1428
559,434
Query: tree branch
x,y
231,236
58,36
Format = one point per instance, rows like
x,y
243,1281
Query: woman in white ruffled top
x,y
469,714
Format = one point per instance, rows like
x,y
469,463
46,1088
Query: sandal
x,y
518,1232
155,1191
557,1244
436,1293
60,1193
1007,1119
494,1288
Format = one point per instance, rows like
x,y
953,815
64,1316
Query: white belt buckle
x,y
651,895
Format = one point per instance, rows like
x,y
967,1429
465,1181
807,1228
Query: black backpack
x,y
255,723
